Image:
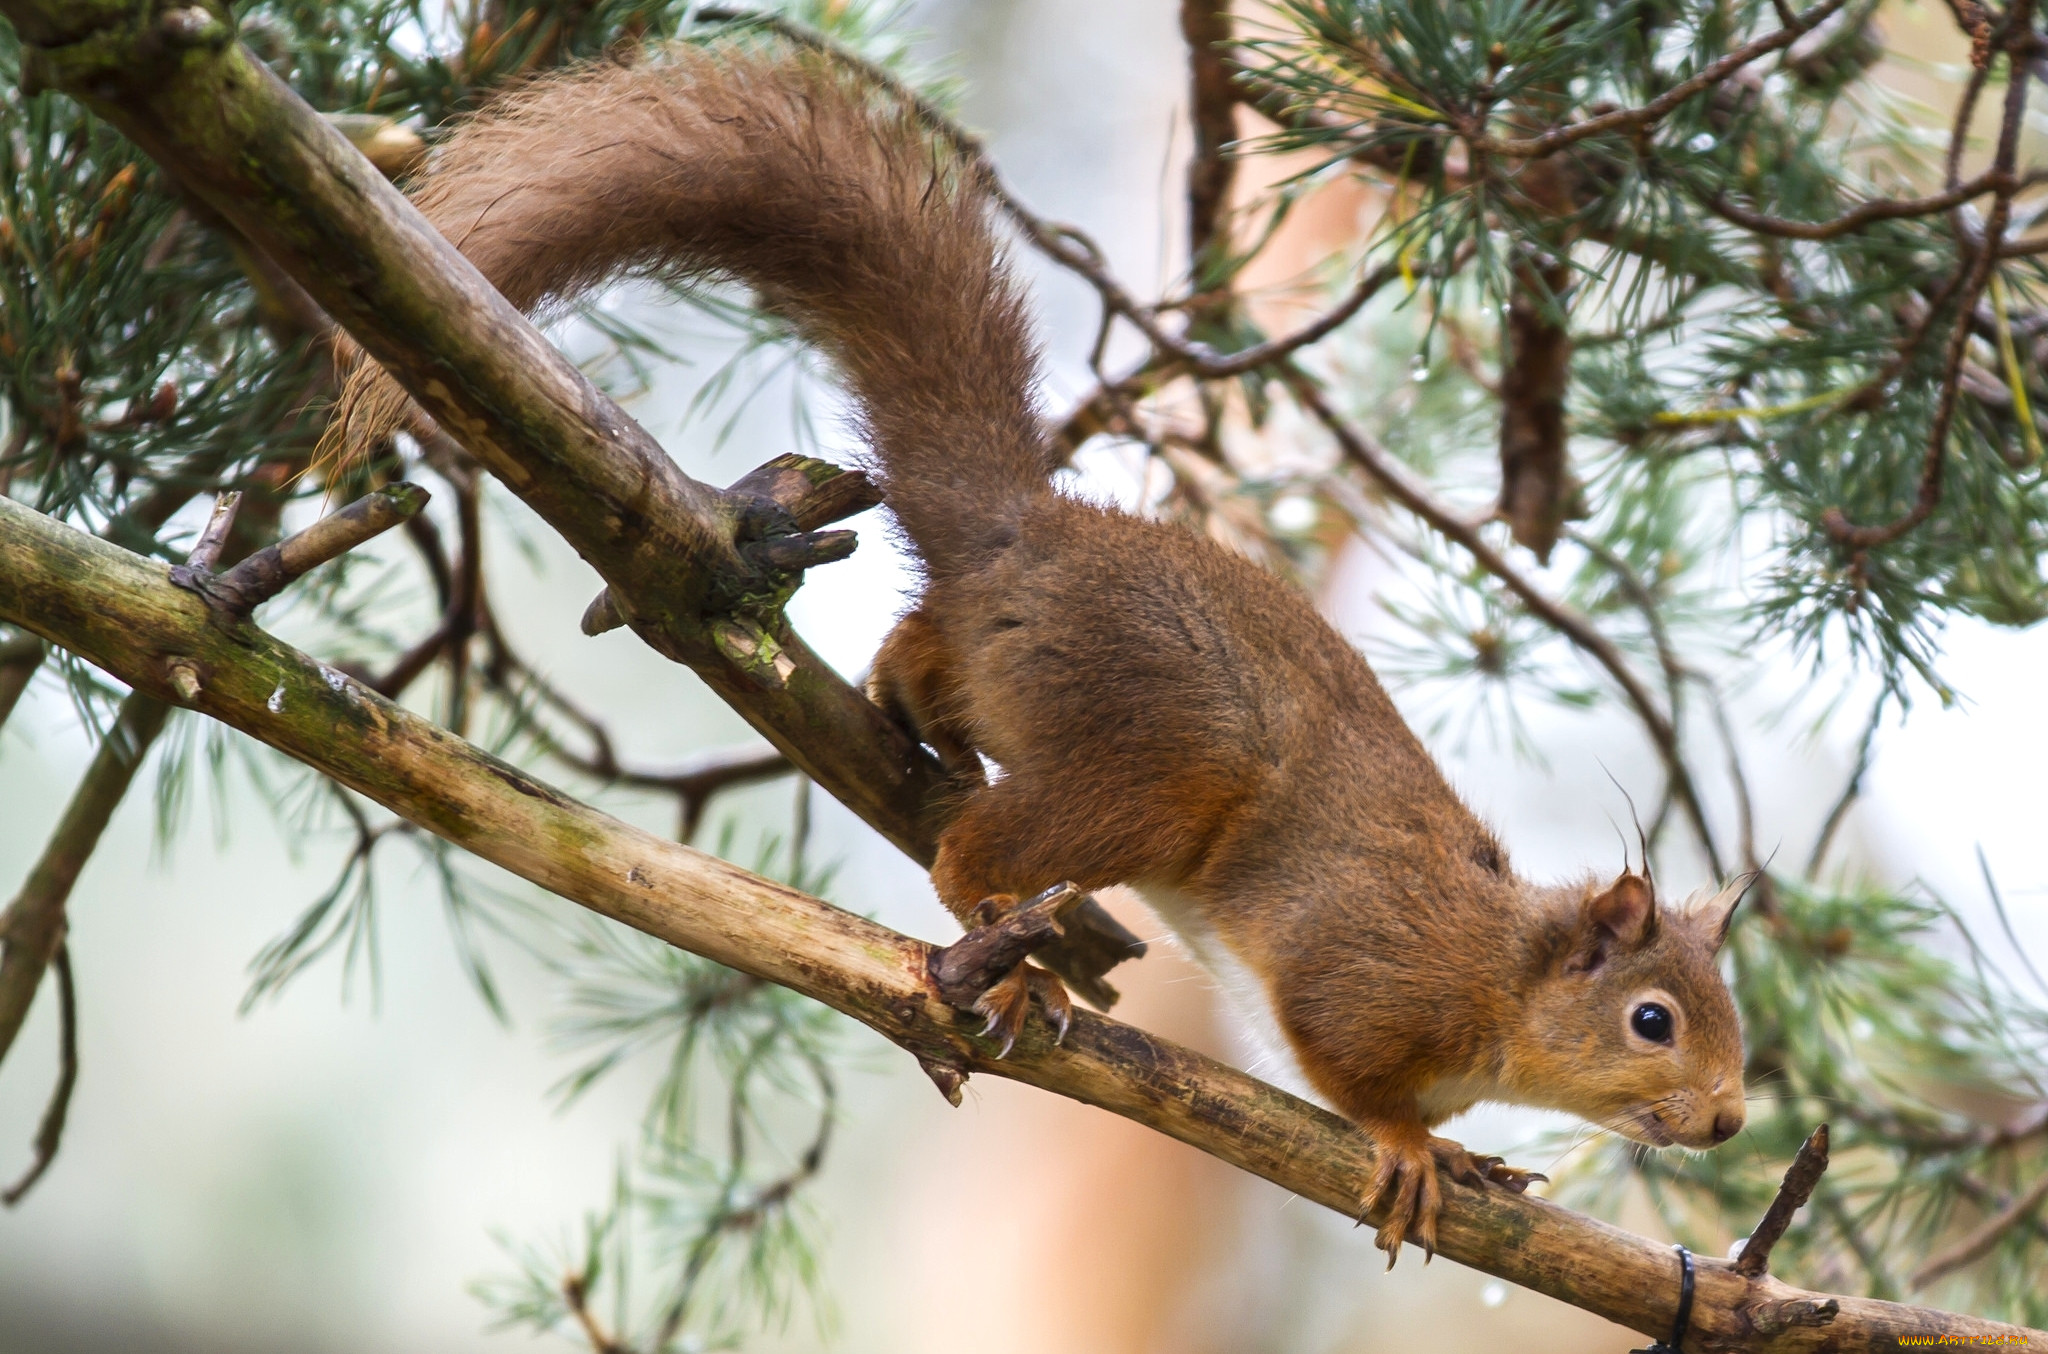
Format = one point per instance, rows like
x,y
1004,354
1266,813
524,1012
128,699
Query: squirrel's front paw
x,y
1407,1179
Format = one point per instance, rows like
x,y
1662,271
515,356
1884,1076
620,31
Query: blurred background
x,y
334,1169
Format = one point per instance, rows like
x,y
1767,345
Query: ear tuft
x,y
1624,917
1714,915
1626,913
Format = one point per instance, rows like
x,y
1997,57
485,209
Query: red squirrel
x,y
1163,713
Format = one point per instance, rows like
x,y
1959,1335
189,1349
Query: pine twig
x,y
1630,119
32,928
1868,213
19,659
1851,789
50,1133
1981,1240
1403,488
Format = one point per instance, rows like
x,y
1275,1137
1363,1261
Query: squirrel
x,y
1164,713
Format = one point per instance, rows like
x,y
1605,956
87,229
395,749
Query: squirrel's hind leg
x,y
915,679
1014,838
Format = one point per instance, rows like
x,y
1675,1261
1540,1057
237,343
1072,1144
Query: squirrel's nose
x,y
1726,1125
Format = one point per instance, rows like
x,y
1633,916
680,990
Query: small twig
x,y
270,570
1745,803
1804,1173
32,925
965,969
1984,1196
1980,1242
1850,791
693,784
1200,360
19,659
50,1133
205,552
575,1296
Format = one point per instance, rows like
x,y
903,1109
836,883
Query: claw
x,y
1051,994
1407,1181
1006,1003
985,970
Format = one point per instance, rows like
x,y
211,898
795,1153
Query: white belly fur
x,y
1262,1048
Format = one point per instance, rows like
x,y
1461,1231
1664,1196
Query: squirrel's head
x,y
1630,1024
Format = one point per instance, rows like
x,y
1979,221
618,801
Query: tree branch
x,y
669,548
1979,1242
50,1133
121,611
1205,24
32,927
219,119
1864,213
19,659
1627,119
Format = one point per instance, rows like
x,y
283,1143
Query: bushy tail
x,y
787,174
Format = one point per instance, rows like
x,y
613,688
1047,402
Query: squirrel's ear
x,y
1623,917
1714,915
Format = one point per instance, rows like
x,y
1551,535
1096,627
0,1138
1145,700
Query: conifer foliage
x,y
1680,339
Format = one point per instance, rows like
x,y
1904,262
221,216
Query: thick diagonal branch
x,y
669,548
121,611
293,185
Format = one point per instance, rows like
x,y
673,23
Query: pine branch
x,y
32,927
50,1132
671,548
1205,24
1631,119
1405,490
19,659
122,613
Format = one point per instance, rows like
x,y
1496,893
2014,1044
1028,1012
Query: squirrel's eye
x,y
1652,1022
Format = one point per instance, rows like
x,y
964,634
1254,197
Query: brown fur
x,y
1163,712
